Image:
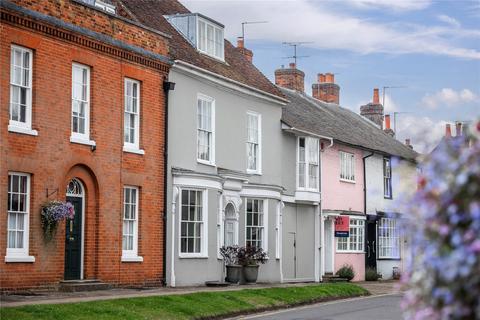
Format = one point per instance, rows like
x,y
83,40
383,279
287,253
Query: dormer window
x,y
103,5
203,33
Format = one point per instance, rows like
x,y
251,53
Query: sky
x,y
428,48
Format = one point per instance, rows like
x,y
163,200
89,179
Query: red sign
x,y
342,226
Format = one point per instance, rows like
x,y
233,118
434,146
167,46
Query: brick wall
x,y
290,78
52,160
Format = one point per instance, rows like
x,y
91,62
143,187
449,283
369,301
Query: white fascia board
x,y
190,69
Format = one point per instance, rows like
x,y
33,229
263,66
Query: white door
x,y
329,250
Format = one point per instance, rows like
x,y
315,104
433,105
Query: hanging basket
x,y
52,213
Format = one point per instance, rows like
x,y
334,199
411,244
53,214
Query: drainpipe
x,y
322,222
365,183
167,86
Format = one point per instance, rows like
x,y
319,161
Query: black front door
x,y
371,256
73,241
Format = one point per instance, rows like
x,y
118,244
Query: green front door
x,y
73,241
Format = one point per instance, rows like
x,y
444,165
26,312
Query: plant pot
x,y
234,273
250,273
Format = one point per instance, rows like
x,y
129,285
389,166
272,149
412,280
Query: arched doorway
x,y
230,226
75,194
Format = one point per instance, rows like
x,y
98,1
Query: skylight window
x,y
203,33
108,7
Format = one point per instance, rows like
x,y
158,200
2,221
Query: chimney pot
x,y
292,65
387,122
448,130
321,78
240,42
329,77
458,129
376,99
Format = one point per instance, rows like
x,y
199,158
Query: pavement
x,y
55,297
380,307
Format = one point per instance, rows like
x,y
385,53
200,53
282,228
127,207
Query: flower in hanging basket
x,y
53,212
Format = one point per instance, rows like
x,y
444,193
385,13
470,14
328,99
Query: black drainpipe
x,y
365,183
167,86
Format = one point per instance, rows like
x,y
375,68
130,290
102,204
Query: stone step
x,y
83,285
333,278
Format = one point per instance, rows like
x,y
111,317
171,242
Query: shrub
x,y
248,256
372,275
346,271
230,255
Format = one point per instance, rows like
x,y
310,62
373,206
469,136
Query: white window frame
x,y
359,226
76,137
306,172
135,146
258,162
15,125
204,229
387,178
265,221
221,55
389,240
210,100
347,166
131,255
20,254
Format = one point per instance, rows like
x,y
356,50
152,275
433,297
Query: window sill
x,y
207,163
388,198
347,181
391,259
132,259
254,172
78,140
133,150
192,256
17,129
14,259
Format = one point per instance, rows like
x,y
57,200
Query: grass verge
x,y
201,305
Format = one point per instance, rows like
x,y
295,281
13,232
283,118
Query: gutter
x,y
313,134
190,68
167,86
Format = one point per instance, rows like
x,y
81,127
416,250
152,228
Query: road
x,y
385,307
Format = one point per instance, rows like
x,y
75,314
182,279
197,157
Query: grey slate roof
x,y
343,125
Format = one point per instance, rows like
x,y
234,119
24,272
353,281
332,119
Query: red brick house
x,y
81,120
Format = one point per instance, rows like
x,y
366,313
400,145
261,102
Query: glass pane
x,y
12,221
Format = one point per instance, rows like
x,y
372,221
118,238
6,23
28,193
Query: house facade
x,y
388,176
82,121
349,146
225,142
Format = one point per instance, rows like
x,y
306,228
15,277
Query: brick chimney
x,y
326,89
408,144
373,110
387,129
448,130
458,129
248,54
290,78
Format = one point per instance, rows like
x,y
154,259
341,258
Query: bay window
x,y
388,239
255,224
193,226
355,241
308,163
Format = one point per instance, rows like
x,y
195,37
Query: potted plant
x,y
230,258
250,258
53,212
